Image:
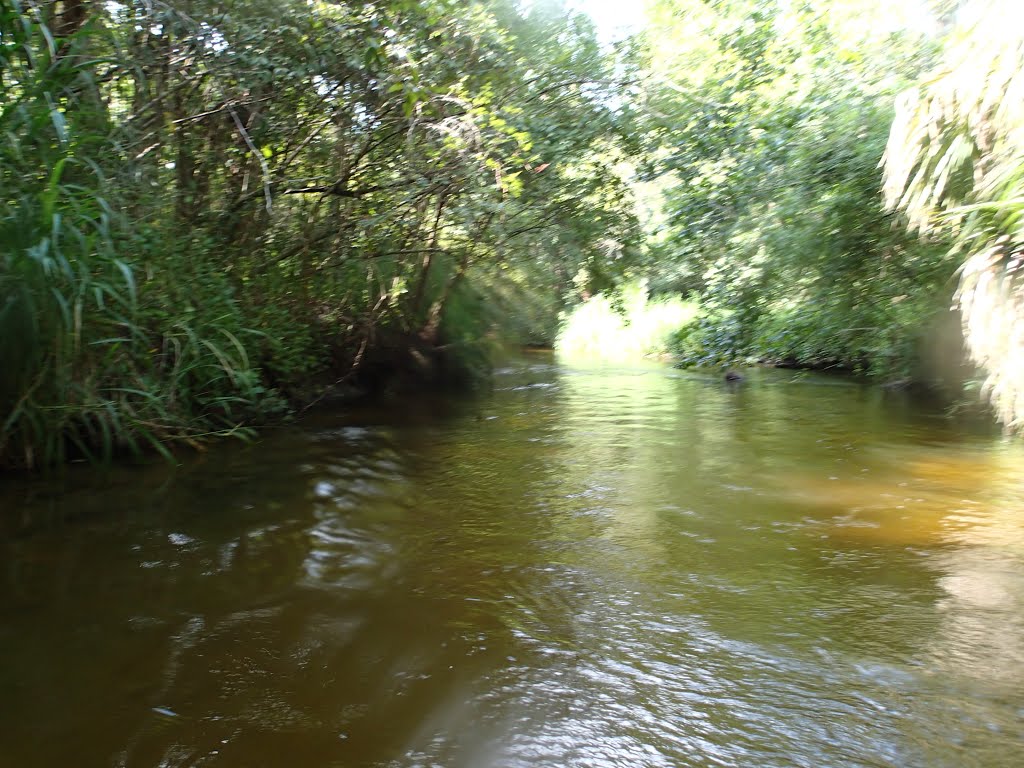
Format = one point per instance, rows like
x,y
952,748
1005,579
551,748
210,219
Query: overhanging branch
x,y
340,190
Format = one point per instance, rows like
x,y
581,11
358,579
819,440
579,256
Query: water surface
x,y
584,568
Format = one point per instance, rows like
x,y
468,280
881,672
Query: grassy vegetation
x,y
628,325
206,218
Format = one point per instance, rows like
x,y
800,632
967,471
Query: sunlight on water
x,y
618,567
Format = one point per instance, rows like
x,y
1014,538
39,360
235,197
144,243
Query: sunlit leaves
x,y
955,165
771,118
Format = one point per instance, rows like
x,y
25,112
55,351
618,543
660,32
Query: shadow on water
x,y
583,568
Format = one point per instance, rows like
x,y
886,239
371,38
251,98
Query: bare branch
x,y
258,155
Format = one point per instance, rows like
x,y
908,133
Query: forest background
x,y
213,212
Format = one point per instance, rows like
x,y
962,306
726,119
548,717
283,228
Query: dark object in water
x,y
733,376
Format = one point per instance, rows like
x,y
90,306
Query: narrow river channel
x,y
641,567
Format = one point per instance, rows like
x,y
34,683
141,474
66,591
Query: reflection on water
x,y
586,568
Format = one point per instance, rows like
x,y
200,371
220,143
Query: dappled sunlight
x,y
623,328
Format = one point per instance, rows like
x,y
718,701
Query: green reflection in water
x,y
586,568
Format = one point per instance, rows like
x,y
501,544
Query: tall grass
x,y
191,220
87,366
624,327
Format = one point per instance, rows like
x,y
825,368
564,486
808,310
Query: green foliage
x,y
205,215
881,339
768,123
94,359
715,338
200,211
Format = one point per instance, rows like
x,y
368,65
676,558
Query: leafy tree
x,y
206,206
770,119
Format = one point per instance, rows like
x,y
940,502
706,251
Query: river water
x,y
641,567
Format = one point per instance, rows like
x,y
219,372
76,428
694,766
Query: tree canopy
x,y
204,203
212,211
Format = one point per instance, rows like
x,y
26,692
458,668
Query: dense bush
x,y
205,214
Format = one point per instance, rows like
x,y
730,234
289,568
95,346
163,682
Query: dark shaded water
x,y
631,568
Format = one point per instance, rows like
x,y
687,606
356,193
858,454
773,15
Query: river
x,y
628,567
